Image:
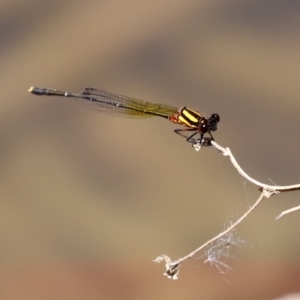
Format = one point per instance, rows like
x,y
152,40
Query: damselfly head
x,y
213,121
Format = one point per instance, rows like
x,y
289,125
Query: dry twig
x,y
172,267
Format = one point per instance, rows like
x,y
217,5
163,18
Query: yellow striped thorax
x,y
187,117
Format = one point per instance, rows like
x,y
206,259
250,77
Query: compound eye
x,y
215,118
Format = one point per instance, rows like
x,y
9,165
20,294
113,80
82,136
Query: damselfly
x,y
111,103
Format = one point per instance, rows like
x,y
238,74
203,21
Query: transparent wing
x,y
119,105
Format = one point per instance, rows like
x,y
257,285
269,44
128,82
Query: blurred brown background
x,y
89,200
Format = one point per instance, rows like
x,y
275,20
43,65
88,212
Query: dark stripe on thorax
x,y
189,117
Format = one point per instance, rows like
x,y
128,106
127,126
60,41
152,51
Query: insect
x,y
111,103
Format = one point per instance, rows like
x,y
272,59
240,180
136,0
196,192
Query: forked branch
x,y
172,267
